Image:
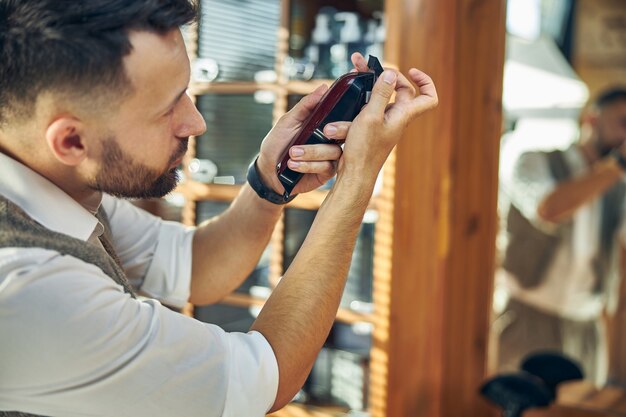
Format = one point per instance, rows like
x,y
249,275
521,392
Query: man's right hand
x,y
379,126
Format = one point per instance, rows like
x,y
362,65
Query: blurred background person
x,y
566,208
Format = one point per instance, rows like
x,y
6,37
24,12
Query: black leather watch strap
x,y
619,158
262,190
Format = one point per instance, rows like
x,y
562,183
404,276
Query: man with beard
x,y
564,231
93,109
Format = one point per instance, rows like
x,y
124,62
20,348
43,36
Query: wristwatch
x,y
262,190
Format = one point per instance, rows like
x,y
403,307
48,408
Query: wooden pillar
x,y
434,286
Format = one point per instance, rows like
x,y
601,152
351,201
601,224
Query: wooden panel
x,y
434,283
474,173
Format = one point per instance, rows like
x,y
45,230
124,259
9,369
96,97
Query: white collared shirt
x,y
72,343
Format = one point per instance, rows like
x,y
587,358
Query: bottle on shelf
x,y
318,51
350,41
375,36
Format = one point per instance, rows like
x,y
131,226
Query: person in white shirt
x,y
93,109
564,232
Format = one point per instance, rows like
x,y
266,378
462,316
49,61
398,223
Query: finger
x,y
359,62
319,152
305,106
405,90
381,93
337,130
326,168
426,100
426,86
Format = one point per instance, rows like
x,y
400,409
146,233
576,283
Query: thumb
x,y
307,104
382,92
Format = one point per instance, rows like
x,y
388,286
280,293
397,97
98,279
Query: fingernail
x,y
330,129
389,77
295,151
293,164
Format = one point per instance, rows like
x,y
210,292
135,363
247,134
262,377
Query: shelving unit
x,y
195,192
433,250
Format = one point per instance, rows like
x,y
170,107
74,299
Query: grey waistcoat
x,y
18,230
530,250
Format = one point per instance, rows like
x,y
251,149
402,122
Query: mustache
x,y
180,151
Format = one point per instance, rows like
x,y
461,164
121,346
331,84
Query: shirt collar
x,y
45,202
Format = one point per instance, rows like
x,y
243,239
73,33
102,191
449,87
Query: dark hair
x,y
608,97
71,46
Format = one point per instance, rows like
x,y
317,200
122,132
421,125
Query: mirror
x,y
562,188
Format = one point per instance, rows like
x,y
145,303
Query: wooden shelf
x,y
343,315
198,191
299,410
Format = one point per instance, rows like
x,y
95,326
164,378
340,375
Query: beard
x,y
605,142
122,177
604,149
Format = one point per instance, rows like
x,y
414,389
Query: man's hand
x,y
379,126
319,162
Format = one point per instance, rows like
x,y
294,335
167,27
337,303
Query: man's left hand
x,y
318,162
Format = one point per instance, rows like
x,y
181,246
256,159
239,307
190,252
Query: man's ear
x,y
65,138
588,122
589,118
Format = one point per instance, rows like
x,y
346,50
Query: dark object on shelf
x,y
552,368
342,102
516,393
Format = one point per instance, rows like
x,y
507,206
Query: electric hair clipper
x,y
342,102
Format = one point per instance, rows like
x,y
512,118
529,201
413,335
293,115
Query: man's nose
x,y
191,121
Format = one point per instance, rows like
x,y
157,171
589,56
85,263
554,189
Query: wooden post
x,y
436,233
